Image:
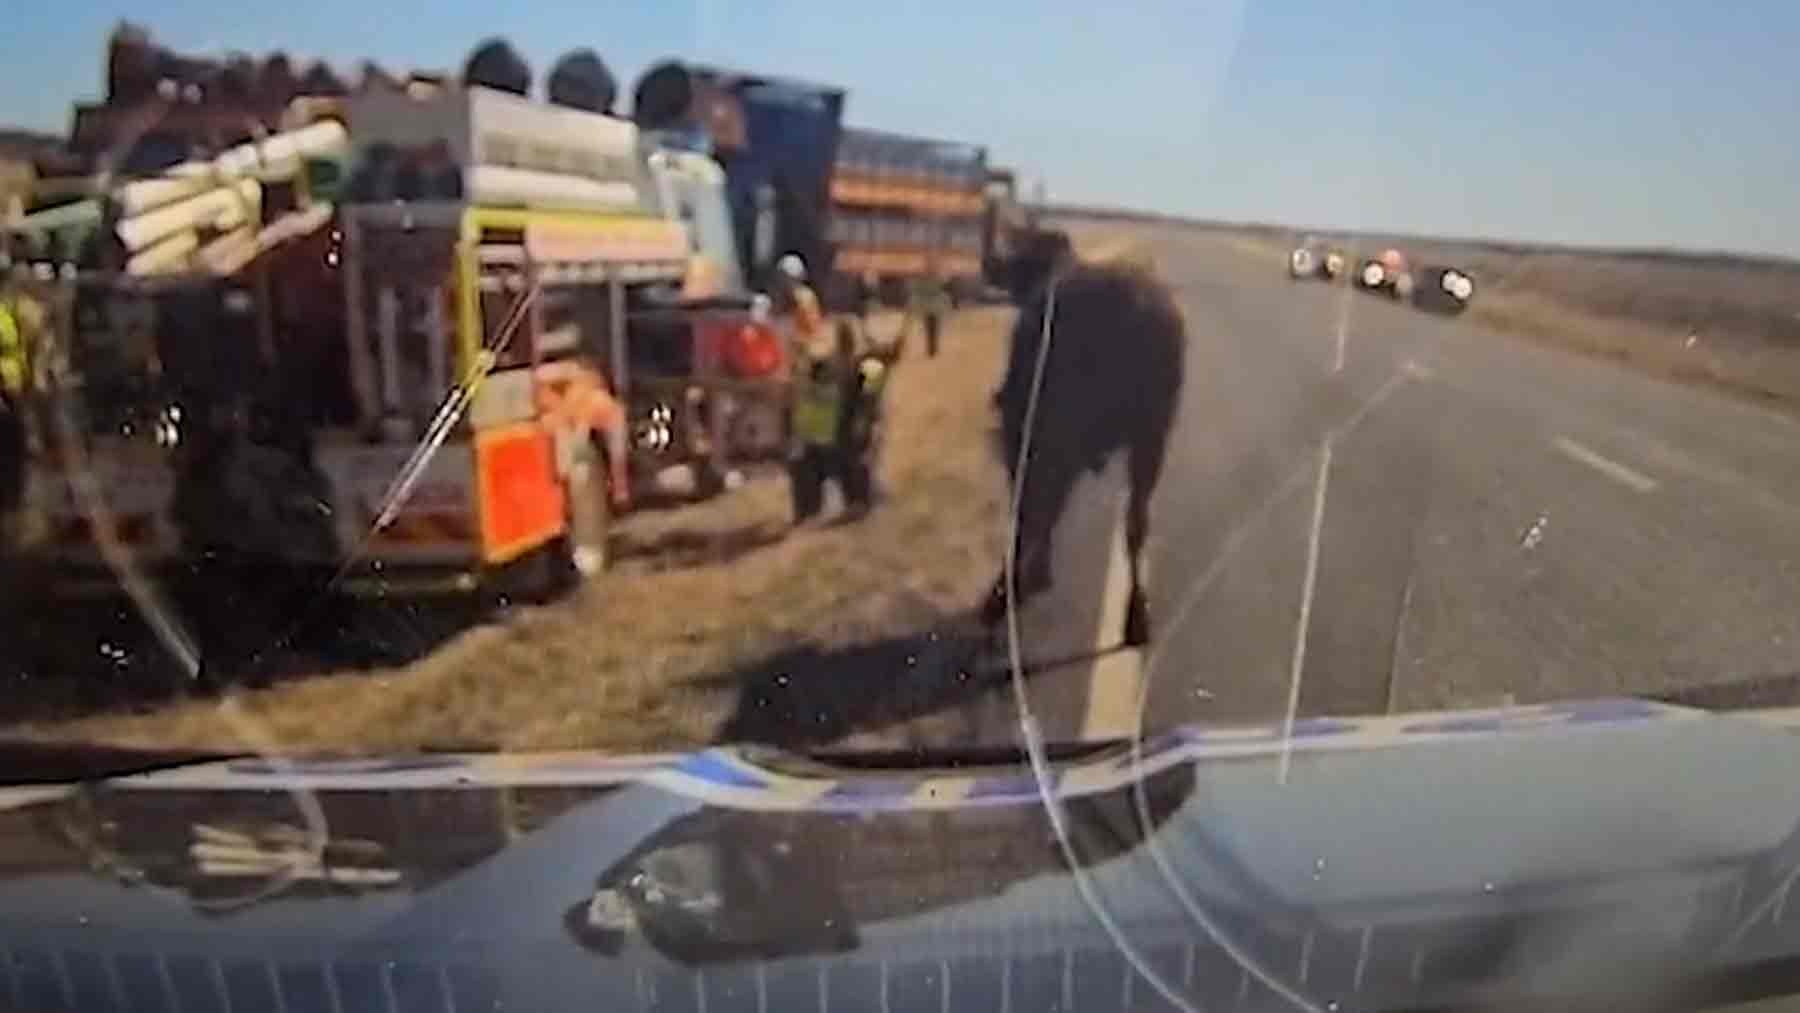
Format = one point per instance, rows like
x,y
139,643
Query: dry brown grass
x,y
631,661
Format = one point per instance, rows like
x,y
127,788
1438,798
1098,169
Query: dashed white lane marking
x,y
1343,330
1612,469
1116,681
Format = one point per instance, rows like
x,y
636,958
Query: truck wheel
x,y
709,478
534,578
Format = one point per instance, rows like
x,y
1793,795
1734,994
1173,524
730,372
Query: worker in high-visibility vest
x,y
571,395
836,425
799,304
817,423
929,301
859,430
15,367
15,376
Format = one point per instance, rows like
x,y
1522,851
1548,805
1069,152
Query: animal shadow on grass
x,y
85,658
810,696
683,549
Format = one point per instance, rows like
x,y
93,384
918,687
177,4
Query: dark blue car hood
x,y
1533,854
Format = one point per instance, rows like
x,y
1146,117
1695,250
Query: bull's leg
x,y
1046,494
1144,468
1137,608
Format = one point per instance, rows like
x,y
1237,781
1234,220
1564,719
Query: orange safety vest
x,y
571,394
809,319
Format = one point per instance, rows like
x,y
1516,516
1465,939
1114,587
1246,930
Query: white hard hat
x,y
791,265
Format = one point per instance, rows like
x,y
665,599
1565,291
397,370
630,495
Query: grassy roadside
x,y
1519,298
652,655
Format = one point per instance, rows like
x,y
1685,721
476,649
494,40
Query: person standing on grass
x,y
21,326
868,294
817,408
797,301
579,399
817,424
929,304
859,429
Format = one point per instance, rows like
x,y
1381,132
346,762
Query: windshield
x,y
940,382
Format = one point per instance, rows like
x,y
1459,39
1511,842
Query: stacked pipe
x,y
498,149
208,215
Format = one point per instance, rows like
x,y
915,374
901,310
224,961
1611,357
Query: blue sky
x,y
1597,121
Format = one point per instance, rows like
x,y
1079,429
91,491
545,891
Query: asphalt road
x,y
1367,508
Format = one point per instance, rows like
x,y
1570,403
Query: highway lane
x,y
1478,519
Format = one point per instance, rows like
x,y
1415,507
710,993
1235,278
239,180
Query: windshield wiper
x,y
26,762
926,758
1754,692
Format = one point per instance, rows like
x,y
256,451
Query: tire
x,y
239,607
536,577
709,478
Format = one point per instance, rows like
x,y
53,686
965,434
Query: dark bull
x,y
1111,381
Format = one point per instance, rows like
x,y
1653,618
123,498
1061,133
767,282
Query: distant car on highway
x,y
1388,273
1444,289
1313,259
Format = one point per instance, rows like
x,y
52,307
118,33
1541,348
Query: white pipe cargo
x,y
140,196
283,152
502,186
295,224
204,211
168,255
229,253
277,157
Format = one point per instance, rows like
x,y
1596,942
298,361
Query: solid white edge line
x,y
1308,585
1114,678
1612,469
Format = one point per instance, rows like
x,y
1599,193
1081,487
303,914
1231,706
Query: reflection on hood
x,y
728,884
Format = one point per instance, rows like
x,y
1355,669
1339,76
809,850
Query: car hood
x,y
1451,858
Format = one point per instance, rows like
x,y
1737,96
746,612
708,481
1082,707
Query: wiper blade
x,y
26,762
1753,693
930,758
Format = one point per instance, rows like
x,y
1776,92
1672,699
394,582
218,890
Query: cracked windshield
x,y
927,455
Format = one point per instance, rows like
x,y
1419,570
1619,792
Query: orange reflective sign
x,y
521,498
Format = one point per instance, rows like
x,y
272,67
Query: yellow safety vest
x,y
13,367
818,404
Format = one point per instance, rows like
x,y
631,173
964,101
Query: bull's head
x,y
1036,254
